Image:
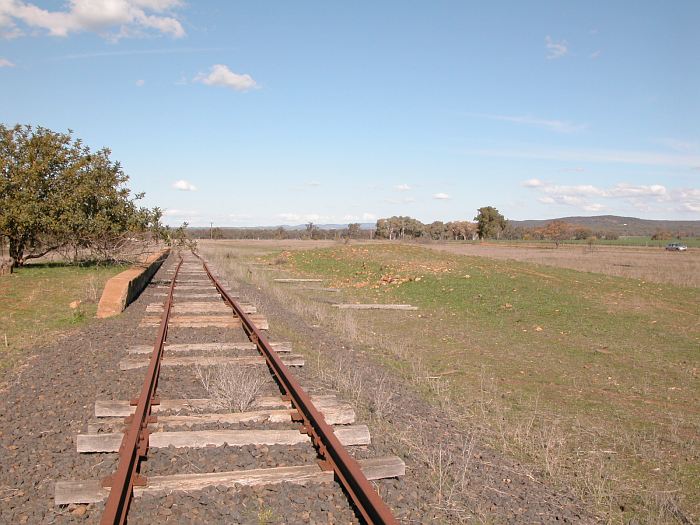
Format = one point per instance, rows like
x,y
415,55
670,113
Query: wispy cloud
x,y
365,217
221,75
560,126
441,196
137,52
403,187
591,198
595,54
298,218
238,217
181,214
680,145
140,82
533,183
184,185
112,19
6,63
555,49
405,200
644,158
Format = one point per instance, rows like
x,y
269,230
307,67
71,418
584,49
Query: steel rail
x,y
348,472
134,444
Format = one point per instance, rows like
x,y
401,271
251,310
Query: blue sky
x,y
264,113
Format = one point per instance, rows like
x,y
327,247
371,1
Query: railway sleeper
x,y
204,321
197,307
91,491
130,363
341,414
111,441
279,347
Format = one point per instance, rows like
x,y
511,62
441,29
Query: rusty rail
x,y
368,503
134,444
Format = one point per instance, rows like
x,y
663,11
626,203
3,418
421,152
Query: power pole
x,y
211,230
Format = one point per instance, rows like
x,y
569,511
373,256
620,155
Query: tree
x,y
353,230
582,233
460,230
437,230
56,193
181,238
312,230
490,223
557,231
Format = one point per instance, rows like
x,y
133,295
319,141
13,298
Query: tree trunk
x,y
17,251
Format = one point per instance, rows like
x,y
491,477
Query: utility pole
x,y
211,230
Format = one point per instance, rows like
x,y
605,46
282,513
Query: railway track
x,y
229,356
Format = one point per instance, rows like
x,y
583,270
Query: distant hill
x,y
627,226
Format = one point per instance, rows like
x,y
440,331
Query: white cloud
x,y
179,214
595,54
533,183
586,197
689,200
560,126
441,196
365,217
555,49
184,185
303,217
6,63
113,19
221,75
403,187
140,82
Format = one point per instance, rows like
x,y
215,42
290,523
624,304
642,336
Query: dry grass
x,y
232,387
593,407
651,264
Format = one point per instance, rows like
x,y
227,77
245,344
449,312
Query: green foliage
x,y
55,193
180,238
490,223
354,230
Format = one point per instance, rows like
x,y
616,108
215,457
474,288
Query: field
x,y
592,381
651,264
35,303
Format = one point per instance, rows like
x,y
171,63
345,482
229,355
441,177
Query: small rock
x,y
79,511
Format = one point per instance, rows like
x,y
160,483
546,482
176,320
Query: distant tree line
x,y
56,194
310,231
488,223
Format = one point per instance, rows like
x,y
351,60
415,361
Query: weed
x,y
231,387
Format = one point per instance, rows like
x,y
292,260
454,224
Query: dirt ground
x,y
650,264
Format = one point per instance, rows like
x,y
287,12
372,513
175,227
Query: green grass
x,y
607,368
35,303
